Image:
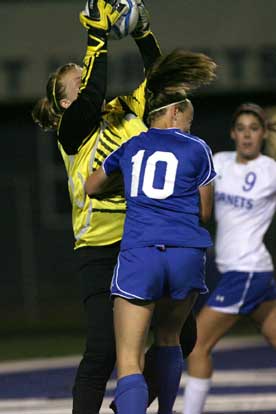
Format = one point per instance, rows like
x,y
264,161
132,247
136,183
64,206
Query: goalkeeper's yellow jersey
x,y
98,222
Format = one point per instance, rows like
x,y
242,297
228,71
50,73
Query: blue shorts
x,y
150,273
242,292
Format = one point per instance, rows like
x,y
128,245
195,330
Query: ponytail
x,y
44,114
172,76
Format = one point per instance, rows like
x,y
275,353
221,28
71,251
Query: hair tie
x,y
166,106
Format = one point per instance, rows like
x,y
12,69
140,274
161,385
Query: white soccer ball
x,y
127,22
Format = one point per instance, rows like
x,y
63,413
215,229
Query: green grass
x,y
14,347
42,343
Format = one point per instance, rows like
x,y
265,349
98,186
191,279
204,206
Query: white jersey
x,y
245,202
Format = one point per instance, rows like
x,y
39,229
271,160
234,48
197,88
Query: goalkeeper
x,y
86,135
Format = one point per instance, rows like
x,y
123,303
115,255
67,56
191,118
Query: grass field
x,y
40,345
24,342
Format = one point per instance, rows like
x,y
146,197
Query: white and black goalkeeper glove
x,y
143,25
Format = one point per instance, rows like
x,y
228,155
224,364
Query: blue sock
x,y
131,395
169,366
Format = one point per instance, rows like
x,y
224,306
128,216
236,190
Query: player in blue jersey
x,y
167,176
245,202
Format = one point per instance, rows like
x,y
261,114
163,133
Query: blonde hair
x,y
47,110
173,76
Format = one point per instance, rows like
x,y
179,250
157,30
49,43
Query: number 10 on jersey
x,y
150,174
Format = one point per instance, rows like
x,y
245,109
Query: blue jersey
x,y
162,170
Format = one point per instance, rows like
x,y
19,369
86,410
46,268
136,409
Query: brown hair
x,y
172,76
250,108
267,119
47,111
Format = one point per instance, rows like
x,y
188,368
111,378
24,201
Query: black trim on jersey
x,y
102,153
104,144
88,138
125,107
102,210
111,200
149,50
98,162
113,133
109,139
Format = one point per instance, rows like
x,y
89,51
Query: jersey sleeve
x,y
150,51
84,115
112,162
206,172
135,102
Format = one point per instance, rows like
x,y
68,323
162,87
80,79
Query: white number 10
x,y
149,174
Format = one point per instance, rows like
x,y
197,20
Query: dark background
x,y
39,287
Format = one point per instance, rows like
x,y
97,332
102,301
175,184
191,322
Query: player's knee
x,y
201,351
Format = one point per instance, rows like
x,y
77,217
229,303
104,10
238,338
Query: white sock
x,y
196,391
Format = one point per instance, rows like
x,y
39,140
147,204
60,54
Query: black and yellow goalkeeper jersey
x,y
87,136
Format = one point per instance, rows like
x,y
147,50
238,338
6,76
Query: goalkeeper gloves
x,y
143,25
100,15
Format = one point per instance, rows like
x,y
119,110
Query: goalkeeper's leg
x,y
99,357
96,266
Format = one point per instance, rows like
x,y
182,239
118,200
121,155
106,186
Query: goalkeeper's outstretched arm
x,y
84,114
150,52
144,37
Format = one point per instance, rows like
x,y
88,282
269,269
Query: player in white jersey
x,y
245,202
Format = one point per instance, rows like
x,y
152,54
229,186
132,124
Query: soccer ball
x,y
127,22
